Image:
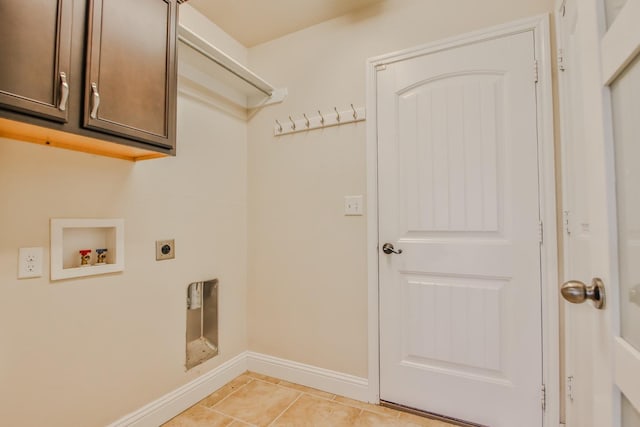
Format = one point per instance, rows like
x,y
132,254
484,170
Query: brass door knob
x,y
577,292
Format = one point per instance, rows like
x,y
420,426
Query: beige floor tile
x,y
258,402
422,421
263,377
226,390
313,411
306,389
197,416
373,419
367,406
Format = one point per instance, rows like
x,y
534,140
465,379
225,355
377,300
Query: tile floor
x,y
257,400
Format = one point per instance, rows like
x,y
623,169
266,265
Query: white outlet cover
x,y
353,205
30,262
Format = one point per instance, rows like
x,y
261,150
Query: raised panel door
x,y
35,73
131,74
460,306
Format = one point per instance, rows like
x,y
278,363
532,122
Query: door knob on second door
x,y
577,292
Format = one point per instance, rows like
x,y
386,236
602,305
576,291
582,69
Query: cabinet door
x,y
131,69
35,52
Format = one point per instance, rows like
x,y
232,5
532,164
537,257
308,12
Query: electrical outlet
x,y
165,249
30,263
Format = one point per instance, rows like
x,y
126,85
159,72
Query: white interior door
x,y
604,345
458,191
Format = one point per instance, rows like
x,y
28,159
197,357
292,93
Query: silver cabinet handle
x,y
64,91
577,292
95,101
388,248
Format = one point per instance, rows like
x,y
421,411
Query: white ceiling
x,y
252,22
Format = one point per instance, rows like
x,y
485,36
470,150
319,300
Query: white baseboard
x,y
311,376
171,404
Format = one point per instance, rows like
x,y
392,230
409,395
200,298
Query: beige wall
x,y
195,21
307,276
86,352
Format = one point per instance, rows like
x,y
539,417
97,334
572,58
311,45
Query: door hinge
x,y
543,397
565,222
561,65
381,67
570,387
540,232
535,71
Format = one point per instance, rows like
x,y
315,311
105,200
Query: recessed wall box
x,y
69,236
202,322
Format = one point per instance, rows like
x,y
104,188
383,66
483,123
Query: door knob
x,y
388,248
577,292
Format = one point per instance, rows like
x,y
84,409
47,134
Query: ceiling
x,y
252,22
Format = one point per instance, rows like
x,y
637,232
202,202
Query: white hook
x,y
321,118
293,124
337,114
306,119
279,126
355,114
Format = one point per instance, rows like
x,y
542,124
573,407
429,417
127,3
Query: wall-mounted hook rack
x,y
333,118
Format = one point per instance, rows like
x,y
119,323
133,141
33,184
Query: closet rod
x,y
211,57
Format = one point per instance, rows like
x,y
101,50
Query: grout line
x,y
228,395
362,407
232,417
365,408
333,396
285,409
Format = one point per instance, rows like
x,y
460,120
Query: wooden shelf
x,y
208,66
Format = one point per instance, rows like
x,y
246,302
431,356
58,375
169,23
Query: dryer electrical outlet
x,y
165,249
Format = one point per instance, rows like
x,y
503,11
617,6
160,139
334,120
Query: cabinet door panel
x,y
35,52
131,73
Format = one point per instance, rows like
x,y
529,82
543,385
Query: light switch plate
x,y
165,249
353,205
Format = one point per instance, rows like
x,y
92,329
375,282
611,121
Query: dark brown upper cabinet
x,y
130,85
35,57
98,76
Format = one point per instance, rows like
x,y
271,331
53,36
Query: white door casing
x,y
471,239
604,347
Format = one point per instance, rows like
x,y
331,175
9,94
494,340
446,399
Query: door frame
x,y
539,25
